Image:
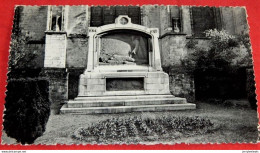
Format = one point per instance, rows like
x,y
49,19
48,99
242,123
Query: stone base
x,y
124,104
94,83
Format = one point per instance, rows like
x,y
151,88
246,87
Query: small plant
x,y
148,129
122,131
133,132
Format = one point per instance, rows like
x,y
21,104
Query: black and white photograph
x,y
149,74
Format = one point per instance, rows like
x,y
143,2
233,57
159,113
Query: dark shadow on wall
x,y
220,84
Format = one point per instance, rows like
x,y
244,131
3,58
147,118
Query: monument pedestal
x,y
96,97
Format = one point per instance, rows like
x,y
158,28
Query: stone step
x,y
127,109
123,97
125,102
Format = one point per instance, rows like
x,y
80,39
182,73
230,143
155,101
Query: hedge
x,y
27,109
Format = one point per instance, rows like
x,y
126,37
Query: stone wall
x,y
234,20
77,50
182,85
151,16
33,20
172,49
38,50
240,17
77,19
58,87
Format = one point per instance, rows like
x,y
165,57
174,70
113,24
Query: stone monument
x,y
124,72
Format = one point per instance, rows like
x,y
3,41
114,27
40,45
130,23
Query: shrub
x,y
217,56
27,109
218,68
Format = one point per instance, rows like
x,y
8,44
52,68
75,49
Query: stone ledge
x,y
56,32
172,33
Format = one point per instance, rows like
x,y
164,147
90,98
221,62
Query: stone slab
x,y
124,97
127,109
125,102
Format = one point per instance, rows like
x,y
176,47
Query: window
x,y
102,15
175,18
56,18
204,18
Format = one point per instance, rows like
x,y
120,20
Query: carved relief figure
x,y
124,49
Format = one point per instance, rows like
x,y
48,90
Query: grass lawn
x,y
230,125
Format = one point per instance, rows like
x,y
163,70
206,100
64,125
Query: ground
x,y
232,124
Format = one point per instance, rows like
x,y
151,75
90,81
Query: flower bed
x,y
137,129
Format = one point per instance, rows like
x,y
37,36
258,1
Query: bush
x,y
251,89
24,73
27,109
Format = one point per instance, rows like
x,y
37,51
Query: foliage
x,y
220,54
138,128
27,109
19,56
245,40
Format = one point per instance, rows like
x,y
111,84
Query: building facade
x,y
60,37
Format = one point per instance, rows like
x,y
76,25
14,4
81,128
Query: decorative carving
x,y
154,31
124,21
92,30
